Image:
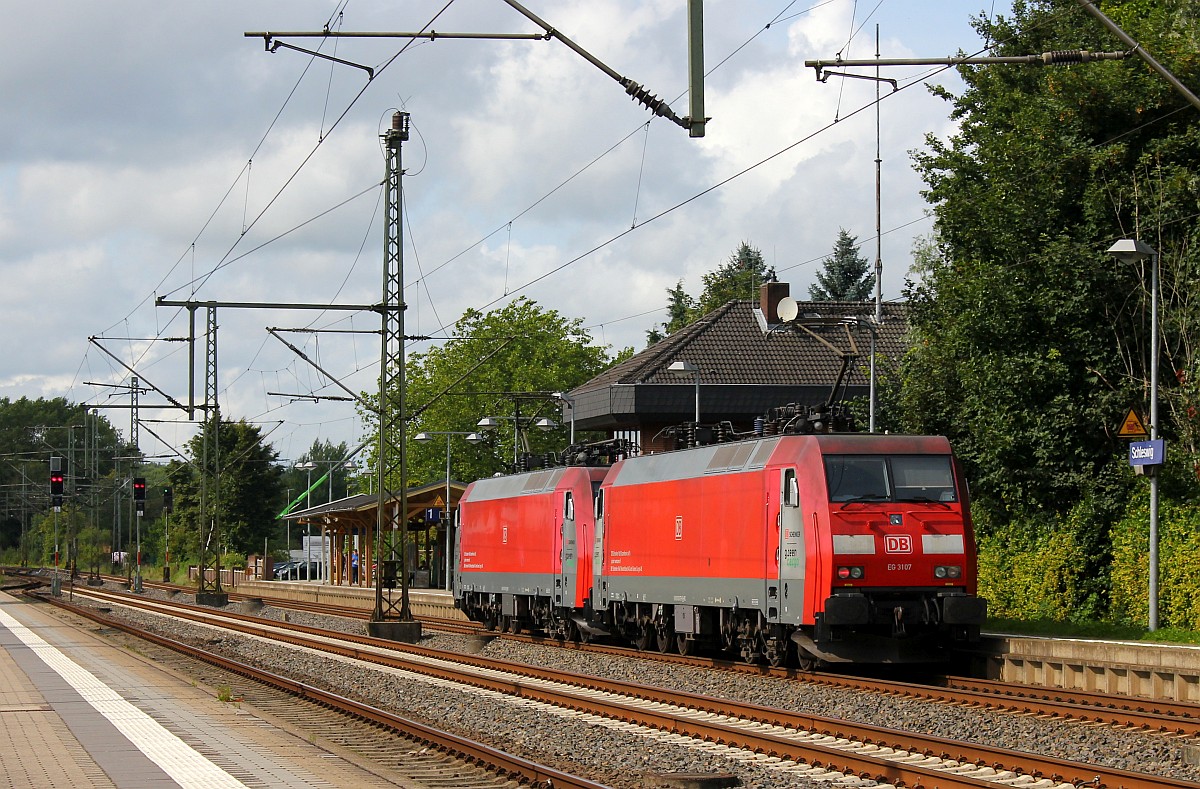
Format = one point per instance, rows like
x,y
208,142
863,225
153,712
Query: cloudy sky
x,y
152,150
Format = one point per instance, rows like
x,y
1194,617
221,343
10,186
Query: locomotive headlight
x,y
849,573
947,571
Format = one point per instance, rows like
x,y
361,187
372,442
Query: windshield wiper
x,y
925,499
867,497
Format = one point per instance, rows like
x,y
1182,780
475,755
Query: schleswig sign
x,y
1147,453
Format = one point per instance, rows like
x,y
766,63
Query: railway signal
x,y
57,475
168,500
139,495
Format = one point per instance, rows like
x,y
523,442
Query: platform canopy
x,y
360,509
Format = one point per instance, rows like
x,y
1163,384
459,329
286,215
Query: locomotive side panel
x,y
509,534
688,527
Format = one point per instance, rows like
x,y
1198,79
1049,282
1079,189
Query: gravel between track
x,y
628,760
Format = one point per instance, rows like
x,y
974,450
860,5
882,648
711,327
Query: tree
x,y
844,275
681,310
246,497
329,461
1028,341
736,278
498,363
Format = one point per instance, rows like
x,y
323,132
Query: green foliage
x,y
244,497
1028,340
737,278
1178,568
844,275
499,362
1032,571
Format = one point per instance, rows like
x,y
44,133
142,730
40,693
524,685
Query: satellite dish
x,y
788,309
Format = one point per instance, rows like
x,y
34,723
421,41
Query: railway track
x,y
400,745
806,743
1177,718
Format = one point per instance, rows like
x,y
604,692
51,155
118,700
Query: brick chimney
x,y
768,299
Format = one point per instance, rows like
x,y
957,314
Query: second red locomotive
x,y
813,548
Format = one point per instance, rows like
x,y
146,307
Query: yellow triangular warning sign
x,y
439,503
1132,427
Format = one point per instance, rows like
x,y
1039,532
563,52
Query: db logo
x,y
897,543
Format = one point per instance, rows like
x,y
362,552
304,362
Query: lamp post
x,y
493,422
1131,250
871,325
308,466
680,367
569,402
472,438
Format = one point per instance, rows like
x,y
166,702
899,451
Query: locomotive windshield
x,y
890,478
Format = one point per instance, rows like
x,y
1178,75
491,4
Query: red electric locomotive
x,y
523,548
837,547
822,548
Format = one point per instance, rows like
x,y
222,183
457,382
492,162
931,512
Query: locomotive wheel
x,y
642,642
512,624
505,623
777,651
684,645
805,661
665,638
490,623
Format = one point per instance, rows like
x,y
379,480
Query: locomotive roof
x,y
746,366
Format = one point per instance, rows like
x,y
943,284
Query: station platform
x,y
434,603
78,711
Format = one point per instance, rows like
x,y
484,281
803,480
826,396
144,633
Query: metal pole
x,y
696,119
697,397
308,529
878,237
1154,436
446,519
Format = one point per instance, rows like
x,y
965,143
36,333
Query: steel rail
x,y
1180,718
503,763
772,743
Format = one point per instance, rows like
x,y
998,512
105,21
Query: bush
x,y
1042,567
1178,565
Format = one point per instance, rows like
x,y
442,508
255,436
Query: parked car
x,y
283,570
298,571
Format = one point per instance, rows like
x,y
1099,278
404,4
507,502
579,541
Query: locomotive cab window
x,y
889,478
923,478
568,506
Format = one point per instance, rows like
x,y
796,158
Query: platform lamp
x,y
569,402
680,367
493,422
308,466
1132,250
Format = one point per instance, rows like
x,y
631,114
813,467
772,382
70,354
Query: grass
x,y
1102,630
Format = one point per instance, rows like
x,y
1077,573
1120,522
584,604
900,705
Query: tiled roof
x,y
729,346
745,366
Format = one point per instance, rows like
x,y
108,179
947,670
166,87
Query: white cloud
x,y
136,124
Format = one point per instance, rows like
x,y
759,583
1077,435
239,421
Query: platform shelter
x,y
349,525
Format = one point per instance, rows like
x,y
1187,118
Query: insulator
x,y
1062,57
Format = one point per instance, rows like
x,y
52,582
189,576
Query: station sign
x,y
1148,453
